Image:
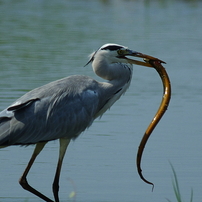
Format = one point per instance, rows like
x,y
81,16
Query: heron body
x,y
64,108
61,109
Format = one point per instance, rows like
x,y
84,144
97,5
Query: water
x,y
42,41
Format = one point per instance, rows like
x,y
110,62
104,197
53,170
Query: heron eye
x,y
121,52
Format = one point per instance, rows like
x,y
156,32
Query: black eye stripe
x,y
112,47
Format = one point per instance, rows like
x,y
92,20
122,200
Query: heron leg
x,y
64,142
23,180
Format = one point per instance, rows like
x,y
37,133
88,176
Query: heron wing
x,y
20,105
63,108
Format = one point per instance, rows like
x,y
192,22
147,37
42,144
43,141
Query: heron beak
x,y
146,58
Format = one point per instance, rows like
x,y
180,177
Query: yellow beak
x,y
146,58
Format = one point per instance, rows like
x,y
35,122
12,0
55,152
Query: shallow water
x,y
47,40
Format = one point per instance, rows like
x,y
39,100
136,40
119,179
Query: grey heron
x,y
65,108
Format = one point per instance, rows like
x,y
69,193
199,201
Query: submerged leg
x,y
23,180
63,147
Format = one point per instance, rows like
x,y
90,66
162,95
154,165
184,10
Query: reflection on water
x,y
47,40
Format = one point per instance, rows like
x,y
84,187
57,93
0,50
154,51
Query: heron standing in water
x,y
65,108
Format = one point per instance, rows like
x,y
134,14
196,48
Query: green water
x,y
41,41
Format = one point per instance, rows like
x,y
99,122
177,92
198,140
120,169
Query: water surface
x,y
42,41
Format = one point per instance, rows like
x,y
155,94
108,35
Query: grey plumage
x,y
64,108
59,109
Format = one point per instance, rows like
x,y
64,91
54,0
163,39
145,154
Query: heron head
x,y
118,53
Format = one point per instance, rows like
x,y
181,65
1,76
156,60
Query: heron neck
x,y
112,71
113,89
